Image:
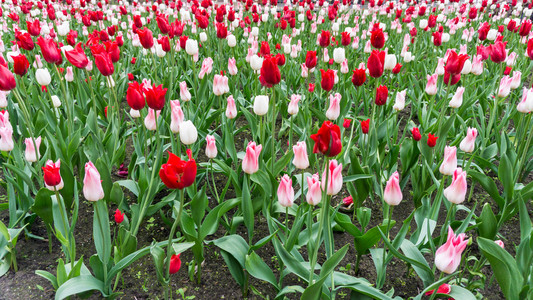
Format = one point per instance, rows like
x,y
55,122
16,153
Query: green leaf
x,y
48,276
487,223
101,231
505,174
43,205
130,185
235,245
79,285
489,186
411,251
247,207
458,292
181,247
504,268
259,269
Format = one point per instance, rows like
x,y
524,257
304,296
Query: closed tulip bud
x,y
392,193
175,264
469,142
432,140
55,101
92,185
457,99
505,86
334,178
293,105
135,113
119,216
176,116
500,243
210,147
334,109
52,176
431,86
301,160
382,93
338,55
250,163
375,63
449,163
69,77
256,62
7,79
6,139
390,62
261,105
43,77
188,133
516,79
314,191
344,67
232,41
150,121
285,192
399,104
359,77
232,66
31,153
231,109
448,256
456,192
415,132
191,47
135,96
526,105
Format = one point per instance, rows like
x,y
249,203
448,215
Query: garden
x,y
266,150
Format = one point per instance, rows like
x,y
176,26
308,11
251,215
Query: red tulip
x,y
451,79
20,64
432,140
497,52
397,68
178,173
155,97
455,62
483,31
51,174
7,79
280,59
359,77
530,48
49,49
311,87
265,49
525,28
377,39
437,38
175,264
134,96
24,41
270,74
416,134
365,126
310,59
327,139
34,28
165,43
113,50
119,216
375,63
222,31
346,124
382,93
146,38
162,23
324,38
345,38
102,60
328,79
483,51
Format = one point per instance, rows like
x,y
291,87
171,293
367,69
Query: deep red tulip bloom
x,y
365,126
311,87
135,96
451,79
20,64
24,41
265,49
175,264
483,31
530,49
280,58
525,28
455,62
222,31
345,38
119,216
133,60
178,173
483,51
497,52
327,139
113,50
7,79
437,38
146,38
347,123
415,132
162,23
359,77
310,59
324,38
382,93
155,97
49,49
377,38
507,70
270,74
397,68
102,60
34,28
432,140
165,43
375,63
328,79
51,174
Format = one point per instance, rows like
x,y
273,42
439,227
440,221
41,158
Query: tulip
x,y
92,185
432,140
232,66
375,63
324,39
188,132
207,67
49,49
497,52
377,38
334,178
431,86
359,77
310,59
220,85
448,256
456,192
500,243
6,139
256,62
505,86
477,65
134,96
119,216
399,103
176,116
390,62
261,105
382,93
102,60
301,160
334,109
347,201
314,191
327,139
339,55
31,153
231,109
457,99
443,289
250,163
516,79
270,74
191,47
439,70
175,264
55,101
150,121
155,97
52,176
526,104
210,147
232,41
20,64
467,67
365,126
328,80
292,109
178,173
69,77
146,38
455,62
449,163
285,192
7,79
415,132
185,95
392,193
469,142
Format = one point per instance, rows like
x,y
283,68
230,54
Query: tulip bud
x,y
191,47
175,264
449,163
250,163
119,216
92,185
314,192
457,99
301,160
334,178
52,176
31,153
211,147
456,192
392,193
188,133
285,191
231,109
43,77
293,105
261,105
469,142
448,256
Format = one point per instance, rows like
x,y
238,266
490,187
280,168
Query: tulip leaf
x,y
487,223
101,231
259,269
489,186
130,185
411,251
504,267
458,292
78,285
505,174
43,205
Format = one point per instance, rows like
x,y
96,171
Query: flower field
x,y
266,150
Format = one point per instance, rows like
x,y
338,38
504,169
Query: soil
x,y
139,281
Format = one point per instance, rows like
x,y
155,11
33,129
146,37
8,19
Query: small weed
x,y
181,292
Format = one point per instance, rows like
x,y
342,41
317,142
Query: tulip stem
x,y
273,139
67,104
